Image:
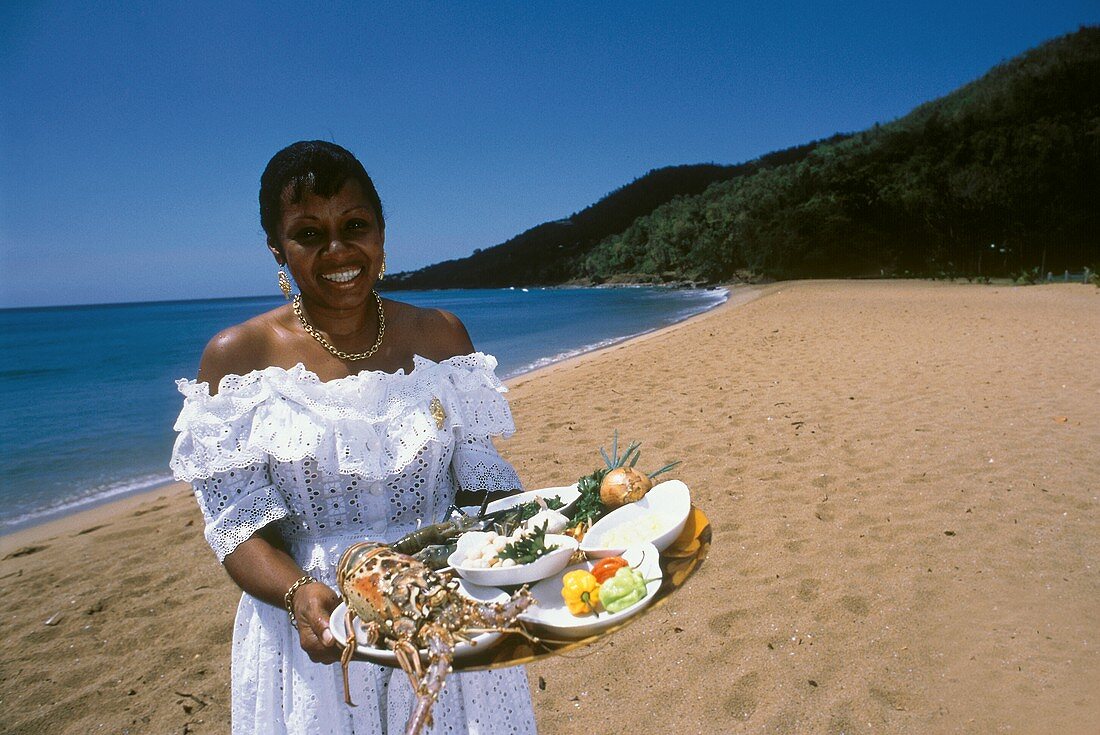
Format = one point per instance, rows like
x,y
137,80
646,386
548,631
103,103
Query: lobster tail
x,y
440,652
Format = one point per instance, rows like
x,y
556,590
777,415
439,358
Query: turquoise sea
x,y
88,398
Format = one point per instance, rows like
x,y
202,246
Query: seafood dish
x,y
403,606
407,607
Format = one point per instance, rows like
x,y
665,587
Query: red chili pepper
x,y
605,568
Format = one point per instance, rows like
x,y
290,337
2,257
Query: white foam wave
x,y
719,297
91,497
565,355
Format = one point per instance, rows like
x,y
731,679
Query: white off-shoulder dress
x,y
332,463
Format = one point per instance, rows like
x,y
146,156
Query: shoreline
x,y
84,504
552,361
68,524
91,511
736,295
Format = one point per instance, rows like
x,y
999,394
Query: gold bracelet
x,y
288,598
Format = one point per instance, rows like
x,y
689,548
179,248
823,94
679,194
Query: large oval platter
x,y
678,562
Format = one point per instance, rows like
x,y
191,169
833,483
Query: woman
x,y
338,417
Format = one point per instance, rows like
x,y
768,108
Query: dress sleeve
x,y
216,453
236,504
479,468
479,411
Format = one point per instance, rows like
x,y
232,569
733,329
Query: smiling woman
x,y
333,246
326,227
334,249
339,418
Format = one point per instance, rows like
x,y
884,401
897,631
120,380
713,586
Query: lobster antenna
x,y
484,504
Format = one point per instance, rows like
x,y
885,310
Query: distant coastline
x,y
381,289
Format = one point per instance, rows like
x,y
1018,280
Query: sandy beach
x,y
902,479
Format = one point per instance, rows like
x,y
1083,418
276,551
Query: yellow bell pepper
x,y
581,592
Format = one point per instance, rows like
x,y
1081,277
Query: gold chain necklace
x,y
346,356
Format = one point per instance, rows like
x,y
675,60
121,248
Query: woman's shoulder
x,y
436,334
242,348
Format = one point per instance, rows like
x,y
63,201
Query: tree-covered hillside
x,y
554,252
999,176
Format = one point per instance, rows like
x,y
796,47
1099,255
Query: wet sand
x,y
902,479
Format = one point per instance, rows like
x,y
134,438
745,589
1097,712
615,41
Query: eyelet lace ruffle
x,y
366,425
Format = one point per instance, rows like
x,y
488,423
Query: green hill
x,y
1011,161
1001,175
554,252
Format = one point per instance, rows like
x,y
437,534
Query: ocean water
x,y
88,398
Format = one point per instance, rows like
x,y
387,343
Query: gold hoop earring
x,y
382,273
284,284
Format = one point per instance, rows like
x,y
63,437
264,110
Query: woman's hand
x,y
313,604
266,571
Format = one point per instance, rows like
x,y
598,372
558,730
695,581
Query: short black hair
x,y
309,167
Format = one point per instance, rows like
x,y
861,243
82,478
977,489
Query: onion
x,y
623,485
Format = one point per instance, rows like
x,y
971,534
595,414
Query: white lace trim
x,y
372,425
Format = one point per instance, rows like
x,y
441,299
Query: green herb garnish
x,y
529,509
507,520
529,548
589,507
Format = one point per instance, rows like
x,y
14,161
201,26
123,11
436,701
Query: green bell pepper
x,y
622,590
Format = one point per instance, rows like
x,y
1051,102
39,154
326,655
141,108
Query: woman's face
x,y
332,247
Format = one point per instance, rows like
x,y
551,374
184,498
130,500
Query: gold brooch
x,y
436,409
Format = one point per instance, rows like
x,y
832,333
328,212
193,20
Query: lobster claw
x,y
434,556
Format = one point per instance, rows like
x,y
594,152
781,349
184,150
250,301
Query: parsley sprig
x,y
528,548
589,507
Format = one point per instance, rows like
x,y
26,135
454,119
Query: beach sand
x,y
902,480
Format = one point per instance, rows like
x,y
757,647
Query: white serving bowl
x,y
498,576
670,502
550,615
567,494
387,657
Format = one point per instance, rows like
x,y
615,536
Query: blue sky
x,y
132,139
